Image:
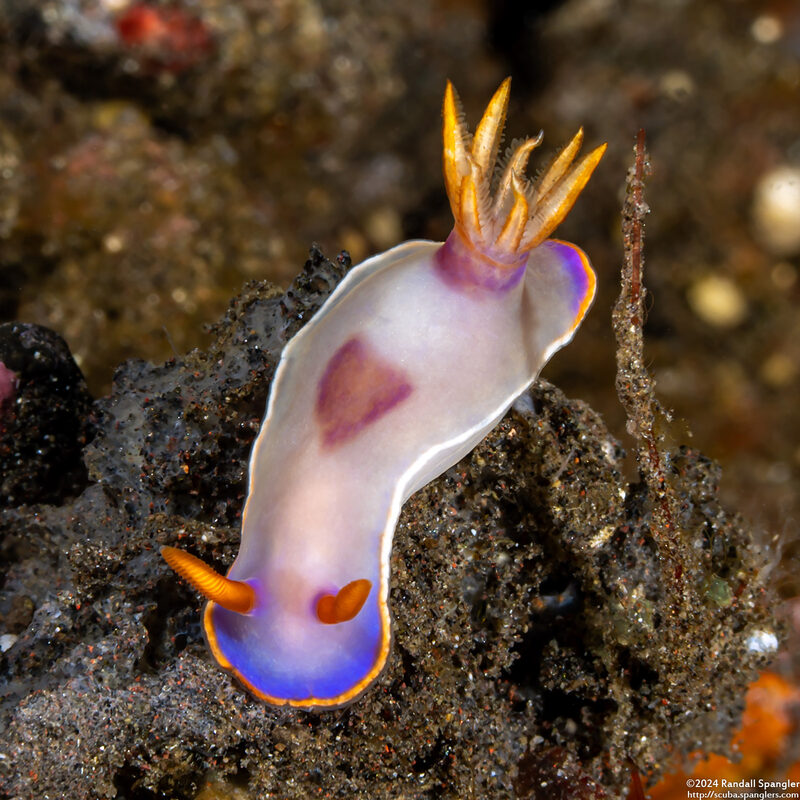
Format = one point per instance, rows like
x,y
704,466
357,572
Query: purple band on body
x,y
464,268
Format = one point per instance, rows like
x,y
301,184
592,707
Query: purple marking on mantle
x,y
357,388
575,264
464,268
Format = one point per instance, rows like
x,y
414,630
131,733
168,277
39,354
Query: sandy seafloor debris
x,y
155,156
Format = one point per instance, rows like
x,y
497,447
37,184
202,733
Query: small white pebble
x,y
718,301
762,642
384,227
113,243
676,84
7,641
776,210
766,29
602,536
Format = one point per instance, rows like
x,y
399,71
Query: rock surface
x,y
531,618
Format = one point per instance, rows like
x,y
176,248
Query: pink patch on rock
x,y
357,388
8,385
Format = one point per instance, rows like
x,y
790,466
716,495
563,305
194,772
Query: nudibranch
x,y
411,361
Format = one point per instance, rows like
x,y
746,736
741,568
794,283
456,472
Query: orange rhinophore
x,y
345,604
234,595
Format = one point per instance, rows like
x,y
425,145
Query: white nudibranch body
x,y
415,356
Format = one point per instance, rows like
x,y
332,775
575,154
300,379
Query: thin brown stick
x,y
637,228
635,385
